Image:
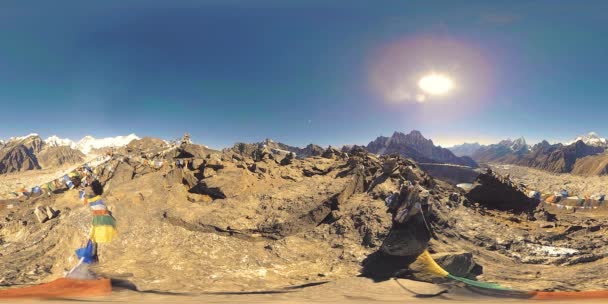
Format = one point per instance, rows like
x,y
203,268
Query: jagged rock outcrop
x,y
192,151
497,192
147,146
276,148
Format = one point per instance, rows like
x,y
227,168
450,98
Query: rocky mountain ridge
x,y
31,152
417,147
556,158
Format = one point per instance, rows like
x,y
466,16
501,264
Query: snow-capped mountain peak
x,y
55,141
18,138
88,143
85,145
592,139
519,144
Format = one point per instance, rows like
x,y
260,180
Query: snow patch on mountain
x,y
55,141
591,139
519,145
88,143
19,138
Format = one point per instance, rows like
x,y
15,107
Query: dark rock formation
x,y
418,148
496,192
15,158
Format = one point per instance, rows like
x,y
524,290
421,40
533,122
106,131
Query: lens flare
x,y
436,84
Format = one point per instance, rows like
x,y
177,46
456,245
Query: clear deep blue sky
x,y
299,71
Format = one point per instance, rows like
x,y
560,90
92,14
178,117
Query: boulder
x,y
495,192
209,172
197,163
214,163
331,153
189,179
41,214
288,159
259,168
460,264
409,235
192,151
51,213
175,176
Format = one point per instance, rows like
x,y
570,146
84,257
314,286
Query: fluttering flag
x,y
88,254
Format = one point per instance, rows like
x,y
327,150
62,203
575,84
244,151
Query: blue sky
x,y
302,71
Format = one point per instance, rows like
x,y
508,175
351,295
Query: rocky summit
x,y
253,218
415,146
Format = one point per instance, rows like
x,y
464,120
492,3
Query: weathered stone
x,y
51,213
189,179
459,264
209,172
197,163
288,160
495,192
175,176
214,163
41,215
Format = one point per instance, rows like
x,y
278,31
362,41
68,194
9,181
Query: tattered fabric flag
x,y
36,189
68,181
88,254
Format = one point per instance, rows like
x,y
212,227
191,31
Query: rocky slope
x,y
591,165
228,222
17,158
415,146
58,156
19,154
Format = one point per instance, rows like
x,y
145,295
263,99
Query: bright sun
x,y
436,84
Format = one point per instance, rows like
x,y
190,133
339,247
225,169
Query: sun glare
x,y
436,84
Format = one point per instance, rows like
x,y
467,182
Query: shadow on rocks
x,y
380,266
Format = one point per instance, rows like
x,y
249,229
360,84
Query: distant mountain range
x,y
591,139
466,149
584,155
89,143
418,148
31,152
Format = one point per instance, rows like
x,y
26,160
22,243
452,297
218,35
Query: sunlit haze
x,y
436,84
